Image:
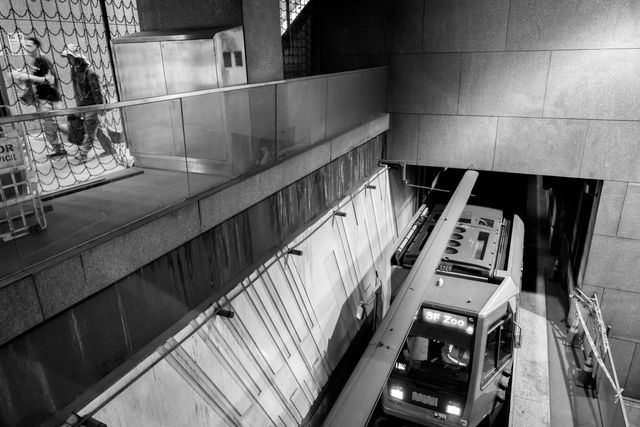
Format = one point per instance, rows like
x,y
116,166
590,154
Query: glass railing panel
x,y
374,92
301,111
17,191
154,150
228,134
84,197
155,135
150,154
344,110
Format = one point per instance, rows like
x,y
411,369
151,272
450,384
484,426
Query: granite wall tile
x,y
503,83
403,137
19,308
425,83
590,291
632,385
622,27
465,25
300,166
594,84
343,143
63,285
457,141
610,207
611,151
375,127
356,29
540,146
118,257
403,23
612,263
222,205
557,24
619,310
630,217
622,351
565,24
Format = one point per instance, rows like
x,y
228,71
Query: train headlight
x,y
396,393
470,330
401,366
454,410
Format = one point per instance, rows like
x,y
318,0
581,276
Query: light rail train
x,y
456,362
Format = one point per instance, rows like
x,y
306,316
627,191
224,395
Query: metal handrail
x,y
120,104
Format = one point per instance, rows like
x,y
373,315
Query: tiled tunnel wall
x,y
48,372
546,87
295,322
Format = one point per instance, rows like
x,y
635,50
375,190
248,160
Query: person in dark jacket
x,y
39,73
86,86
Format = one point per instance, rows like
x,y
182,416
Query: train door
x,y
494,364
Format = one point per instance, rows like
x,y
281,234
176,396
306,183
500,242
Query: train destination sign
x,y
450,320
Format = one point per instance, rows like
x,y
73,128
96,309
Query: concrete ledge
x,y
62,285
19,309
121,256
222,205
47,292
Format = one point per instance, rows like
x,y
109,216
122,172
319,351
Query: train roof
x,y
473,297
475,241
459,294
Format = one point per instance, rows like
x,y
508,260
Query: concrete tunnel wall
x,y
546,87
295,317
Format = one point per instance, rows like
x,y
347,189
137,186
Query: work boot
x,y
58,151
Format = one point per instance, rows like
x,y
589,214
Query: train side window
x,y
506,341
490,363
499,347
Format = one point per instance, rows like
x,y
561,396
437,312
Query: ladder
x,y
21,210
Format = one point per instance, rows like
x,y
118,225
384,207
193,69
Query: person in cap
x,y
86,86
39,73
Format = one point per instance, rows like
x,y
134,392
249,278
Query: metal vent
x,y
226,59
238,57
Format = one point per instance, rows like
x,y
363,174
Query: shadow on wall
x,y
353,350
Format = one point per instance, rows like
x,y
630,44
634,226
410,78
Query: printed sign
x,y
10,153
15,43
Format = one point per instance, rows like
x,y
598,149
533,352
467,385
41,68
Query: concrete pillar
x,y
166,15
262,40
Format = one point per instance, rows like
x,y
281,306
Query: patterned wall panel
x,y
294,319
155,301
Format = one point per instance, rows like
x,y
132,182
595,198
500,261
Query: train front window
x,y
438,354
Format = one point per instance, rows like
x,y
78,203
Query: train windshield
x,y
437,351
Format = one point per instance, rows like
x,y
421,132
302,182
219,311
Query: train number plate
x,y
424,399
